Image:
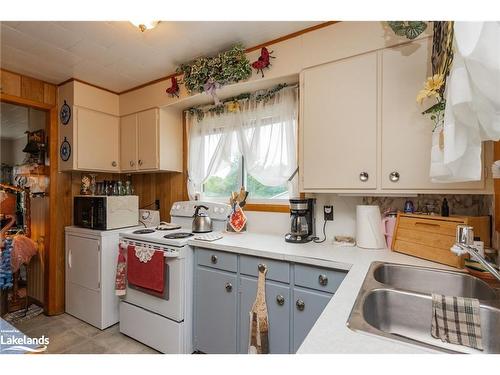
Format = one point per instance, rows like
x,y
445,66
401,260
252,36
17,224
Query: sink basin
x,y
428,280
395,302
408,316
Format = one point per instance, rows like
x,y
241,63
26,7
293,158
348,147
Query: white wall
x,y
344,222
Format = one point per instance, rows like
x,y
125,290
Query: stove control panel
x,y
216,211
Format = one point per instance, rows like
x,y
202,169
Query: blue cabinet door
x,y
278,309
215,311
307,307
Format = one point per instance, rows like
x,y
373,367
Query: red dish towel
x,y
121,277
149,275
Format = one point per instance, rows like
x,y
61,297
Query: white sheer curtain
x,y
472,113
264,133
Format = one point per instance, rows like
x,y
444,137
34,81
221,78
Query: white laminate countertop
x,y
330,333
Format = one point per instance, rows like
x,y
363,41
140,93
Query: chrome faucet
x,y
463,244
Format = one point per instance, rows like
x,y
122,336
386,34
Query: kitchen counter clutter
x,y
330,333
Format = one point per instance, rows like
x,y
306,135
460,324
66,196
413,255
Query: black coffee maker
x,y
302,221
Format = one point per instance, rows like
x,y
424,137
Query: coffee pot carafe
x,y
302,220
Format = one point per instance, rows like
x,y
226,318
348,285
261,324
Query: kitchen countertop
x,y
330,333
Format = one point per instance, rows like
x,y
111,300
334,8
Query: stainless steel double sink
x,y
395,302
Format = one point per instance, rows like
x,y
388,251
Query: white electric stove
x,y
165,323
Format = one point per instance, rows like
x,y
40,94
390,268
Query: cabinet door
x,y
339,127
215,311
128,142
83,262
98,140
278,309
406,133
147,130
308,306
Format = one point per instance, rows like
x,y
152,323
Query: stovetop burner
x,y
144,231
178,235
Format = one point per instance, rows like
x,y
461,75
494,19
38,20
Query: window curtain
x,y
472,112
263,132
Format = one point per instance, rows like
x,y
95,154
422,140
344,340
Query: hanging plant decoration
x,y
173,90
210,73
408,29
264,61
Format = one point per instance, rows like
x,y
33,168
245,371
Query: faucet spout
x,y
464,239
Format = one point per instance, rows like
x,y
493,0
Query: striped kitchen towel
x,y
456,320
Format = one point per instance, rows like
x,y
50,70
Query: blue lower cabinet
x,y
278,309
215,311
307,307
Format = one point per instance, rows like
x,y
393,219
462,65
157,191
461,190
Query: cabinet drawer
x,y
444,226
217,259
323,279
276,270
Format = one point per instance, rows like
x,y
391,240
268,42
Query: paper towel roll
x,y
369,227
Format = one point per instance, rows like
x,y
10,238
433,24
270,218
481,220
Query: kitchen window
x,y
253,145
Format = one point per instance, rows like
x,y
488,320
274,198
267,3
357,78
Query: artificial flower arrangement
x,y
433,88
206,74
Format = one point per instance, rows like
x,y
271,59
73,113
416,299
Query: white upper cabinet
x,y
339,125
406,133
360,124
97,137
151,140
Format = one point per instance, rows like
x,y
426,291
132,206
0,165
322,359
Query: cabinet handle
x,y
69,259
394,176
132,163
140,162
229,287
363,176
213,259
113,163
280,300
300,305
323,280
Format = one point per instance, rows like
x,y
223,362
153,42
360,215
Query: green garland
x,y
227,67
227,104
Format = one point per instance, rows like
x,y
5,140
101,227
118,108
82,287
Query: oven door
x,y
171,303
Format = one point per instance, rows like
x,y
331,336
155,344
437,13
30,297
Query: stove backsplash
x,y
459,204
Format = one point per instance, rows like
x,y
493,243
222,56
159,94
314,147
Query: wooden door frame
x,y
54,259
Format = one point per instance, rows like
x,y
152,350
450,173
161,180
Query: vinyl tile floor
x,y
69,335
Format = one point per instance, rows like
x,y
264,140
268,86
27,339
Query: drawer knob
x,y
229,287
363,176
113,163
280,300
394,176
262,267
323,280
300,305
213,259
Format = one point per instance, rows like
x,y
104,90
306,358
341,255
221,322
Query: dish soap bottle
x,y
445,210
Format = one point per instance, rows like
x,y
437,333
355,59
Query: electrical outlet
x,y
157,204
328,213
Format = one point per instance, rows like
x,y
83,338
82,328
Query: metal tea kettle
x,y
201,221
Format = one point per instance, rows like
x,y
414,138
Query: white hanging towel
x,y
472,113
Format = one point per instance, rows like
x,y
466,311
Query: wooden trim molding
x,y
24,102
89,84
267,207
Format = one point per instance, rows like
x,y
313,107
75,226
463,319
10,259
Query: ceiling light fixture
x,y
145,25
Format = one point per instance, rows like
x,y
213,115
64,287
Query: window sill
x,y
267,207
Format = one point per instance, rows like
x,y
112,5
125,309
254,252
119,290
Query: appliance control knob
x,y
363,176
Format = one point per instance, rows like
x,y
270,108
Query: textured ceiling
x,y
13,120
116,55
